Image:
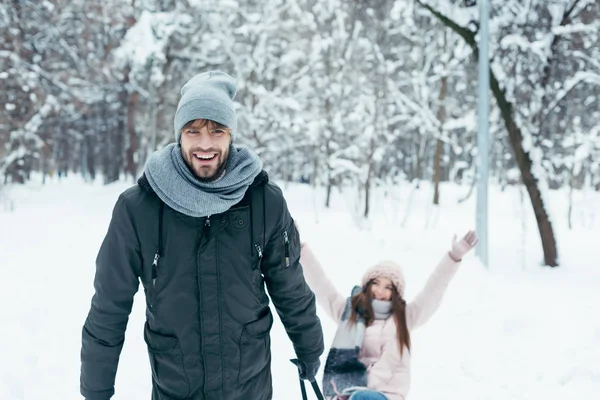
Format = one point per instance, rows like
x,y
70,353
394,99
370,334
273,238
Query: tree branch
x,y
548,67
465,33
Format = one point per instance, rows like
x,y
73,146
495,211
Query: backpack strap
x,y
257,210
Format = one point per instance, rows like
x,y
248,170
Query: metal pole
x,y
483,132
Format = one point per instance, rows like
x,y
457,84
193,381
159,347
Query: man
x,y
203,231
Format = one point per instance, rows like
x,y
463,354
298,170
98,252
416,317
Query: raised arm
x,y
420,310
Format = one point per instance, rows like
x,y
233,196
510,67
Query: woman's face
x,y
381,289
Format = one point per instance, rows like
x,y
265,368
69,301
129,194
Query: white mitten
x,y
463,246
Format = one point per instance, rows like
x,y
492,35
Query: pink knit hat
x,y
389,270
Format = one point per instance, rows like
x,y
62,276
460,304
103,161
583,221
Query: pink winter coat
x,y
388,372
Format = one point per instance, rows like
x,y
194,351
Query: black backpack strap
x,y
257,209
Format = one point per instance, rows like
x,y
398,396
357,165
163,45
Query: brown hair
x,y
361,307
204,122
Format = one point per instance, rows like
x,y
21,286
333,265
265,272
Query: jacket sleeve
x,y
328,297
291,295
420,310
118,267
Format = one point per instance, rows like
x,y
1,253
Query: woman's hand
x,y
462,247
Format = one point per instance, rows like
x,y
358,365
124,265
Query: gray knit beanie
x,y
208,95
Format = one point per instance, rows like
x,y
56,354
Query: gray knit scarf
x,y
344,373
174,183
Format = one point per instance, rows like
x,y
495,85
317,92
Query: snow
x,y
467,122
49,6
147,39
538,47
461,15
35,122
513,331
142,41
573,28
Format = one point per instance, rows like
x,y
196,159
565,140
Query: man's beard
x,y
219,171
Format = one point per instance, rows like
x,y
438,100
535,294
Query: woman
x,y
370,355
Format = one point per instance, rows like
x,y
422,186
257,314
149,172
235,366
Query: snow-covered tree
x,y
534,67
333,92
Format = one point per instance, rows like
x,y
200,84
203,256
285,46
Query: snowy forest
x,y
336,93
365,114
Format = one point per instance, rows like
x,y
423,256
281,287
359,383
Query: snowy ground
x,y
515,331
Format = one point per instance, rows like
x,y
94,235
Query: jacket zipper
x,y
256,269
259,251
286,243
200,320
154,276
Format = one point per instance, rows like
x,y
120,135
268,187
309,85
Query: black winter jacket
x,y
208,316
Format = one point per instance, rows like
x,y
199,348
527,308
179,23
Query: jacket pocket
x,y
286,249
291,246
166,362
255,347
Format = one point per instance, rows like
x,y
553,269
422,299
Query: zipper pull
x,y
259,251
286,242
154,275
155,268
207,223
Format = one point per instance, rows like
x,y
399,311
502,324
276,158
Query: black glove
x,y
307,370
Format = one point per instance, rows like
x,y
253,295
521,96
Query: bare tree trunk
x,y
45,154
437,172
368,192
441,116
315,173
421,152
119,134
328,136
529,180
133,139
91,144
368,182
153,122
515,137
329,190
571,184
16,169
